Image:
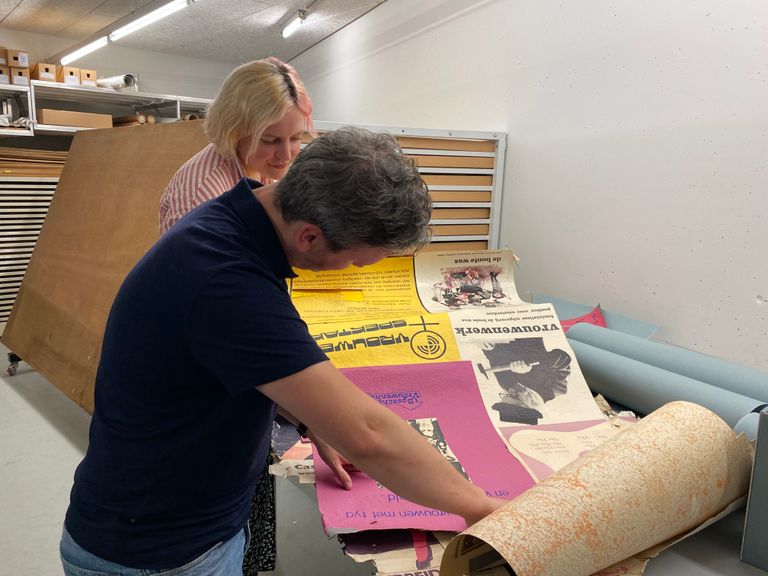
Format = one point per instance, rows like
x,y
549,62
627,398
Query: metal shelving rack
x,y
24,202
20,96
169,107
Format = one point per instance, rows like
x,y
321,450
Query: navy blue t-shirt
x,y
180,433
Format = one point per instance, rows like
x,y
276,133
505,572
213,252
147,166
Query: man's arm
x,y
330,456
377,441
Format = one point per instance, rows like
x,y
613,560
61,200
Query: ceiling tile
x,y
232,31
48,16
118,8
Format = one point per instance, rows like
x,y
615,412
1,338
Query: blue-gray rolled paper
x,y
643,387
726,375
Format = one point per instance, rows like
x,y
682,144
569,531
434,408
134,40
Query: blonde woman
x,y
254,125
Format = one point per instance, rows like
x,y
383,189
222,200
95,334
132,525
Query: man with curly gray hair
x,y
377,195
203,344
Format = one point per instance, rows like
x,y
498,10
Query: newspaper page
x,y
466,280
528,376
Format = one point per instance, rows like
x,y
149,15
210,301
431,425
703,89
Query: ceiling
x,y
232,31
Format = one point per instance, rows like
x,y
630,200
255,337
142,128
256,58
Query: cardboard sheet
x,y
442,402
657,479
103,218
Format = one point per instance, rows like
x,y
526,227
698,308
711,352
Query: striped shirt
x,y
203,177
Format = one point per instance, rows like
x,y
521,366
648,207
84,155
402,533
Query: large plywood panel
x,y
103,218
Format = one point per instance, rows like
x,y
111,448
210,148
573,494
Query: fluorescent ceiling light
x,y
294,24
87,49
148,19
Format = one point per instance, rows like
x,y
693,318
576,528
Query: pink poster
x,y
442,402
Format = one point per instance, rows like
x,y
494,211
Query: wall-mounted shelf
x,y
18,97
57,95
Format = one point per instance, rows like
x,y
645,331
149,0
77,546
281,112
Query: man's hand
x,y
487,505
377,440
334,460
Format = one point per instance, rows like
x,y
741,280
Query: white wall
x,y
637,158
158,73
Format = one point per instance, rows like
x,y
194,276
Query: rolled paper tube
x,y
117,82
151,119
140,118
655,480
645,388
749,424
727,375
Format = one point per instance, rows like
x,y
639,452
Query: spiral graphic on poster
x,y
428,345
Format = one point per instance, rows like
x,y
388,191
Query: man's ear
x,y
308,238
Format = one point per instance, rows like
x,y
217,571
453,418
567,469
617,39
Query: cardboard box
x,y
5,75
3,56
44,71
69,118
68,75
87,77
19,76
18,59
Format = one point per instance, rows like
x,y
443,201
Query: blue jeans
x,y
224,559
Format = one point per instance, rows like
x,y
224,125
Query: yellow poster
x,y
425,338
380,290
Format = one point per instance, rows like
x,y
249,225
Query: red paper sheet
x,y
594,317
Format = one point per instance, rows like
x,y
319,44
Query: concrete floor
x,y
43,436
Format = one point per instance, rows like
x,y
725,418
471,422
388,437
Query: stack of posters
x,y
408,321
444,340
446,306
